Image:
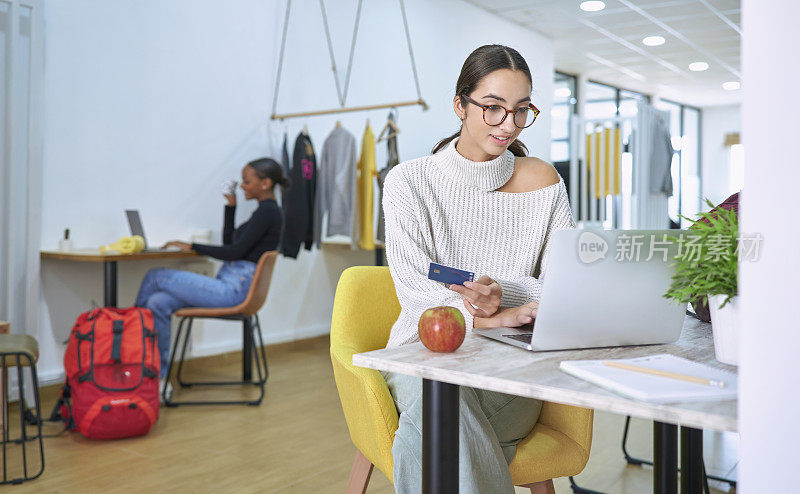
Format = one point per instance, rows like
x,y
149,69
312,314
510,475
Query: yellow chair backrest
x,y
364,309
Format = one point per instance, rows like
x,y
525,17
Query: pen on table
x,y
673,375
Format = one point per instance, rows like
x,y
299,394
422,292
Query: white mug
x,y
229,187
201,236
65,244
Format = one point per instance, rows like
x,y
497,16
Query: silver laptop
x,y
135,224
603,288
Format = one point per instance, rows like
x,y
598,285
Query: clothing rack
x,y
634,208
342,94
421,102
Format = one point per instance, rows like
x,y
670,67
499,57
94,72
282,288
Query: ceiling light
x,y
731,85
592,6
698,66
563,92
653,40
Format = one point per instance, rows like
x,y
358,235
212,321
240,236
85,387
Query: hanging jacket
x,y
392,159
661,160
366,177
286,173
285,163
299,201
336,187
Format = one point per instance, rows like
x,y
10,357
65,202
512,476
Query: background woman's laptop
x,y
597,295
135,224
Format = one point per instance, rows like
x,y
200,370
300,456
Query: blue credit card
x,y
448,275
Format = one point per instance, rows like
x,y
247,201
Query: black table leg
x,y
439,437
665,458
691,460
247,351
110,283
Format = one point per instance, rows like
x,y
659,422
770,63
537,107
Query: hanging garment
x,y
603,149
391,160
661,159
336,187
284,162
299,208
366,177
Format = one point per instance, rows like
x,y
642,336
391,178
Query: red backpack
x,y
112,366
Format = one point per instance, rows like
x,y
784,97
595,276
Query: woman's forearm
x,y
484,322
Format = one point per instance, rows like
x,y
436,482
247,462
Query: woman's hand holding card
x,y
481,297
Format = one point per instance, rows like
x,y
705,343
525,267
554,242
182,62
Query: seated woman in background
x,y
164,291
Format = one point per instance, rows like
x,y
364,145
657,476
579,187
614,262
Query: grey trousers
x,y
490,426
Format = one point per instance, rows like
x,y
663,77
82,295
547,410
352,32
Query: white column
x,y
770,338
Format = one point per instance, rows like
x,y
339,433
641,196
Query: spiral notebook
x,y
655,389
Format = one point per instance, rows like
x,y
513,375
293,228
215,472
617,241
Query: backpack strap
x,y
116,346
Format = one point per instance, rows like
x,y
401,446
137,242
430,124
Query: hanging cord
x,y
280,60
411,51
352,51
343,95
330,50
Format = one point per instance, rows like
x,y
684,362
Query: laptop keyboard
x,y
523,337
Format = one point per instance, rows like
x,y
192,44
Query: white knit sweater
x,y
446,209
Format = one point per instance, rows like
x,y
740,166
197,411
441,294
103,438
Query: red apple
x,y
442,329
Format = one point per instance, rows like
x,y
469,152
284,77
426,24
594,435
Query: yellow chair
x,y
364,309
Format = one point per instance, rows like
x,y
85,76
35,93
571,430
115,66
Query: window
x,y
561,117
685,132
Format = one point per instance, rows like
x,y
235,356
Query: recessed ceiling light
x,y
653,40
592,5
563,92
698,66
731,85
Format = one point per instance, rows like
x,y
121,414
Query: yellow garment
x,y
603,161
365,183
126,245
364,309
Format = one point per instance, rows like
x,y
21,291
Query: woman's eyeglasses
x,y
494,115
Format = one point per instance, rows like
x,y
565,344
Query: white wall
x,y
768,374
717,121
151,105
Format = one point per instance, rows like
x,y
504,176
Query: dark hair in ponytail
x,y
269,168
481,62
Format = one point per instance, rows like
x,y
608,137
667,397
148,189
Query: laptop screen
x,y
135,224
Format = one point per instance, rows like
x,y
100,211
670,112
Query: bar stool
x,y
20,350
247,312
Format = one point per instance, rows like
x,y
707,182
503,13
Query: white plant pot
x,y
724,324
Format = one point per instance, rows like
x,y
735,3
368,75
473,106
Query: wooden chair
x,y
364,309
247,312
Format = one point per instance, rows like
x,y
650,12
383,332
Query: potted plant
x,y
706,266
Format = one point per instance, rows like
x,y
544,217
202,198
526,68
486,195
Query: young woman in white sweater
x,y
477,203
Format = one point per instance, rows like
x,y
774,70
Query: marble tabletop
x,y
488,364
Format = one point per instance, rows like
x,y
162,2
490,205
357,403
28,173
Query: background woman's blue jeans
x,y
164,291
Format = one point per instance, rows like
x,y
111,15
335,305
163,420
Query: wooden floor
x,y
295,442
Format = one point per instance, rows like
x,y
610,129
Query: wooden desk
x,y
110,260
488,364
